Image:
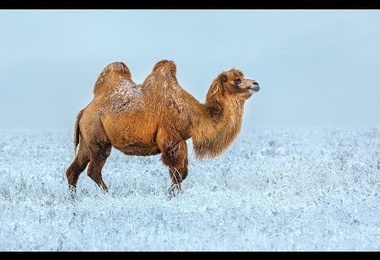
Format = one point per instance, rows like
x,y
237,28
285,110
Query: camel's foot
x,y
174,190
72,192
104,191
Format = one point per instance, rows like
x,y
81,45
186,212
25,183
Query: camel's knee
x,y
77,166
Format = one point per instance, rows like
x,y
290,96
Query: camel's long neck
x,y
218,124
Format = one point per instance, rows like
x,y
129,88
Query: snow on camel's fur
x,y
157,116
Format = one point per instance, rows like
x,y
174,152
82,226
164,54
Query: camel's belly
x,y
132,143
138,149
132,135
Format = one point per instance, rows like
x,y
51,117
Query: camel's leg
x,y
174,155
77,167
178,171
99,153
177,175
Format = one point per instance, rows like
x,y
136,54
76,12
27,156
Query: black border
x,y
178,4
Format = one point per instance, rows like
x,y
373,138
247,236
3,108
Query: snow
x,y
274,189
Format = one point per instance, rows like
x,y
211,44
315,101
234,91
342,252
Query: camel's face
x,y
235,83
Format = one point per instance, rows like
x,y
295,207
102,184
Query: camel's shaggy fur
x,y
157,116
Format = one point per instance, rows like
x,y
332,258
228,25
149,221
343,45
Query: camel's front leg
x,y
177,159
174,155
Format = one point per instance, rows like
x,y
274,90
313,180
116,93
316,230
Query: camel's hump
x,y
109,77
116,67
167,66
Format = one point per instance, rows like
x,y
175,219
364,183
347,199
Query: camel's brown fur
x,y
157,116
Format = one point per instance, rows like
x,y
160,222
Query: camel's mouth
x,y
254,88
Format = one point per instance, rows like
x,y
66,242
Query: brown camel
x,y
157,116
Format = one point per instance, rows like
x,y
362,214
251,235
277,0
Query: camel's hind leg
x,y
77,166
99,153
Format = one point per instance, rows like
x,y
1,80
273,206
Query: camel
x,y
156,116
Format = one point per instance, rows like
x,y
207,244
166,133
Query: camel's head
x,y
233,83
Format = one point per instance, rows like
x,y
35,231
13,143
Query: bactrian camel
x,y
157,116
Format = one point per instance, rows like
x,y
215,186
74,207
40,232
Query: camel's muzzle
x,y
255,86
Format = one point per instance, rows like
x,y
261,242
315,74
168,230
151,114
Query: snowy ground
x,y
312,189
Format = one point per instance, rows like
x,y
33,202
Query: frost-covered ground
x,y
273,190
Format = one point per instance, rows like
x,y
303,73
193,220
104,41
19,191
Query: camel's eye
x,y
237,81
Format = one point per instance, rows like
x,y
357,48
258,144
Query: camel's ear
x,y
222,77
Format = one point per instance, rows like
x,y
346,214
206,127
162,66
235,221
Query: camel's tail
x,y
77,131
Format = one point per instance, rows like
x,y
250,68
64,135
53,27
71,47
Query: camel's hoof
x,y
72,197
72,192
174,190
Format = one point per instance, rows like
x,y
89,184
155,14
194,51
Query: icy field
x,y
313,189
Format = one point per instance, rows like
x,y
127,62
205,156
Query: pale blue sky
x,y
315,67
